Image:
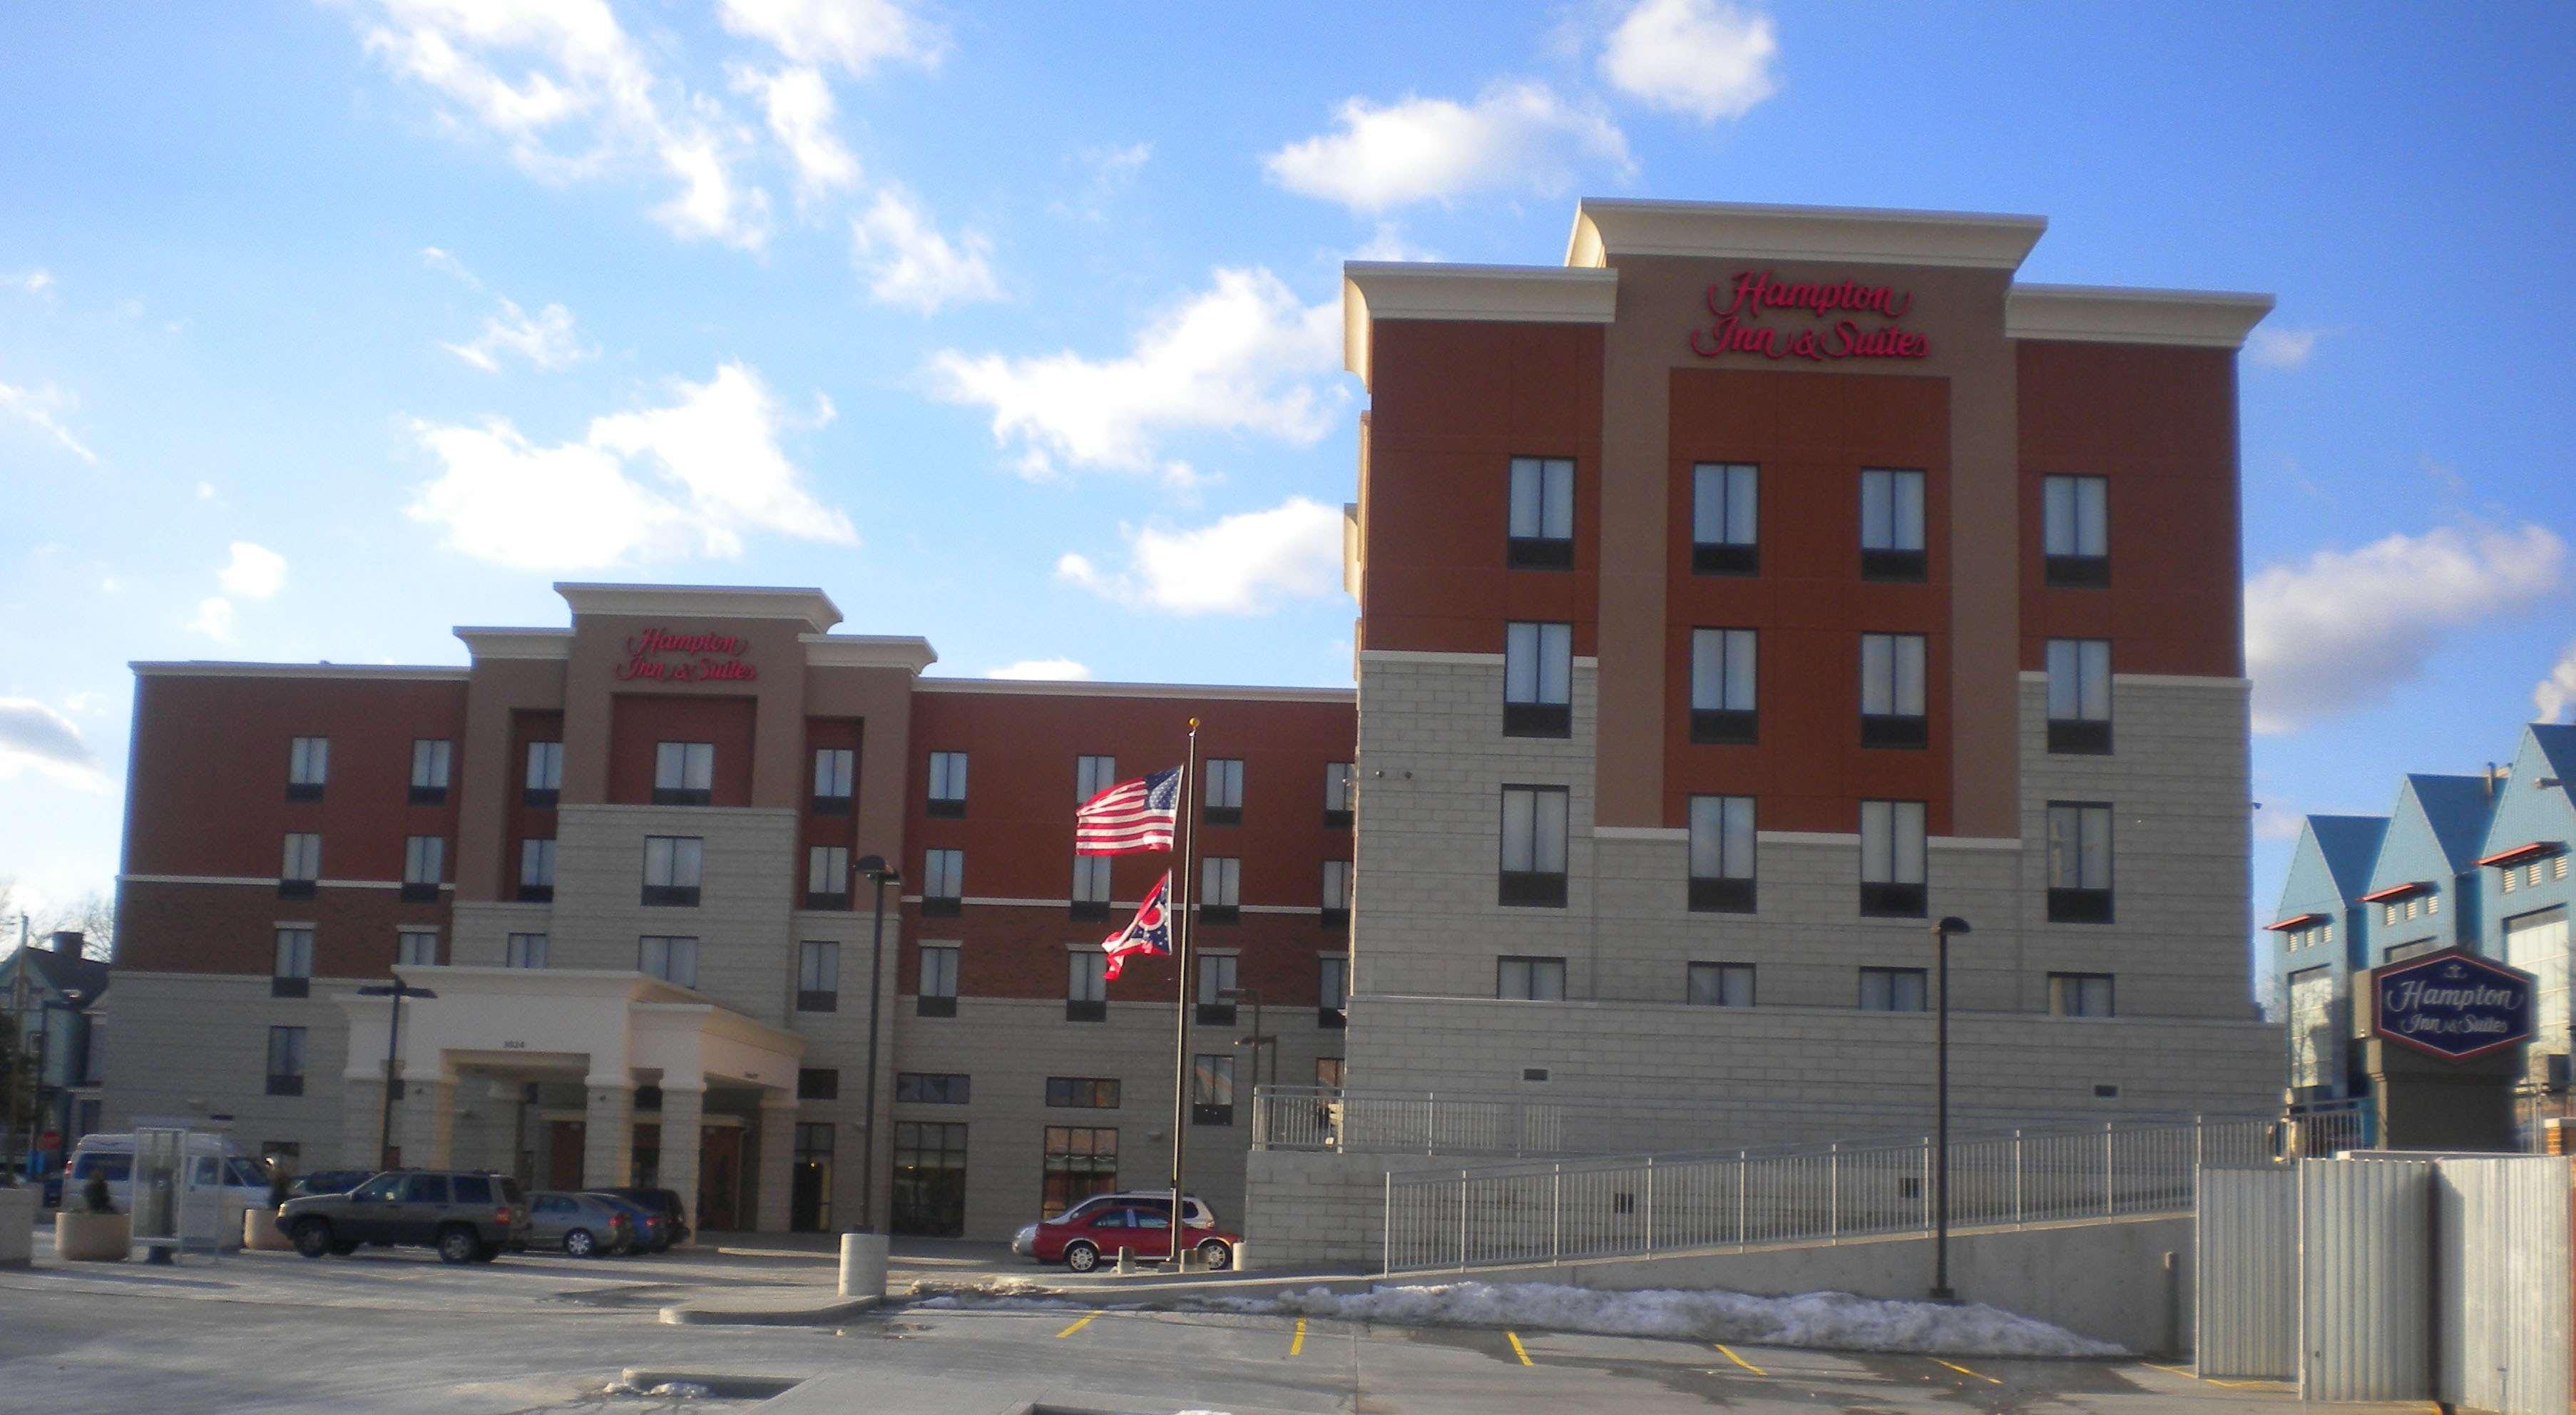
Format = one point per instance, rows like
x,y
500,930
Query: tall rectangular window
x,y
2075,541
2079,695
1337,795
1212,1090
1538,680
1337,893
1721,854
301,867
1891,859
684,773
1224,801
1530,979
416,948
1079,1161
836,772
947,784
430,758
1216,978
1891,524
2079,995
308,765
818,976
1533,859
943,881
1723,689
1891,690
424,867
1332,989
2537,944
1718,984
672,866
1542,514
1093,775
827,877
1091,886
2316,1033
929,1188
937,994
1086,985
1892,990
2079,862
672,959
293,975
525,951
1220,898
286,1061
536,870
543,786
1725,499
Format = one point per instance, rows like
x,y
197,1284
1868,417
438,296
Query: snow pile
x,y
958,1294
668,1390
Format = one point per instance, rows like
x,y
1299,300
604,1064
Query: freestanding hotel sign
x,y
1738,328
2452,1004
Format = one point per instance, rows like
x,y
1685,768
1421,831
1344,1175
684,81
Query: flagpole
x,y
1187,806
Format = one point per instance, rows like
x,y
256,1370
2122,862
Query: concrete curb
x,y
782,1309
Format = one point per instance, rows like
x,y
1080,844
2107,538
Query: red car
x,y
1145,1234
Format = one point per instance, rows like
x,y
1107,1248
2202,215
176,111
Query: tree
x,y
93,917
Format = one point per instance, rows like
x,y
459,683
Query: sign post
x,y
2445,1052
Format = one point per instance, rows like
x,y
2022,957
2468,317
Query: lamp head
x,y
875,868
1951,924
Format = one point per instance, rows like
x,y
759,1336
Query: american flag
x,y
1149,932
1130,816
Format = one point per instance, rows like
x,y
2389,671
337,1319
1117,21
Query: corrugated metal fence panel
x,y
2245,1307
2504,1256
2364,1227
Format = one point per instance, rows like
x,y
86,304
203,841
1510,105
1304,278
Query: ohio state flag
x,y
1149,932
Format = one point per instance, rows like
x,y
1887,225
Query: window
x,y
2079,695
1891,859
1081,1093
1724,500
1530,979
544,784
834,770
429,763
1891,990
2074,535
2079,995
1721,854
536,871
929,1188
827,877
2537,944
1337,894
1220,898
1891,524
947,784
1216,978
286,1061
308,765
818,976
937,994
2316,1032
1333,990
932,1088
1533,864
424,866
525,951
673,960
1080,1161
672,864
2079,863
1086,985
1224,791
684,773
1538,680
416,947
818,1083
1091,886
1093,775
1722,686
1718,985
1337,795
1891,690
1542,514
1212,1090
943,881
1328,1071
293,976
301,867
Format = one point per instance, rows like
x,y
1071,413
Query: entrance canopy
x,y
603,1028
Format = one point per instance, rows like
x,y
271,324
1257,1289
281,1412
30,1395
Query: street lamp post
x,y
1950,924
876,869
397,990
1259,1038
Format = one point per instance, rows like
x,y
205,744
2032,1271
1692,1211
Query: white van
x,y
243,1178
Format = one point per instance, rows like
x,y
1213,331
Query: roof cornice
x,y
379,672
1029,687
2105,314
1517,294
490,643
910,654
1607,229
810,607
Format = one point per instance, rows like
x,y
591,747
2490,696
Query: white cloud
x,y
545,339
692,477
1240,564
800,108
2337,632
253,572
2282,348
1389,242
37,740
33,282
38,407
1516,136
1047,670
907,261
1243,356
1707,59
205,491
1113,170
854,35
214,618
437,259
2556,693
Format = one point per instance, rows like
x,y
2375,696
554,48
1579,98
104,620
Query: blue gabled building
x,y
2323,937
2423,893
2524,860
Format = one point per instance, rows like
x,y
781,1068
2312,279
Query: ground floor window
x,y
930,1178
809,1195
1081,1160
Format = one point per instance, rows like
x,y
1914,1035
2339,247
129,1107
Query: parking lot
x,y
398,1330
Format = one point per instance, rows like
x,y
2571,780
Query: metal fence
x,y
1614,1206
1403,1122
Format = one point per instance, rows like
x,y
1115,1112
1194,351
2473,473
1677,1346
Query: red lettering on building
x,y
700,658
1734,329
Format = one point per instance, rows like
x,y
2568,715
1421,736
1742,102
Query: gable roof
x,y
2350,847
2557,742
2457,809
65,973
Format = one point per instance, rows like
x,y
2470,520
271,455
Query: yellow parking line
x,y
1077,1326
1962,1370
2215,1381
1518,1349
1738,1360
1297,1343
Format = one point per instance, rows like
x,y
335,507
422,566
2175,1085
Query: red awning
x,y
2295,921
2396,891
2520,853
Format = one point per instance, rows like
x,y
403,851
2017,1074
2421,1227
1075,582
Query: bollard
x,y
1123,1266
863,1265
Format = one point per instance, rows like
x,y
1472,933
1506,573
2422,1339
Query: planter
x,y
91,1238
260,1233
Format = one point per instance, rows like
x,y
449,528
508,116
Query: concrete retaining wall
x,y
17,1227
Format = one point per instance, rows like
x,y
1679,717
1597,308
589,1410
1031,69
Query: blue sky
x,y
326,327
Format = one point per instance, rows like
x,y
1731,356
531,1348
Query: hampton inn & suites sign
x,y
664,656
1846,320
